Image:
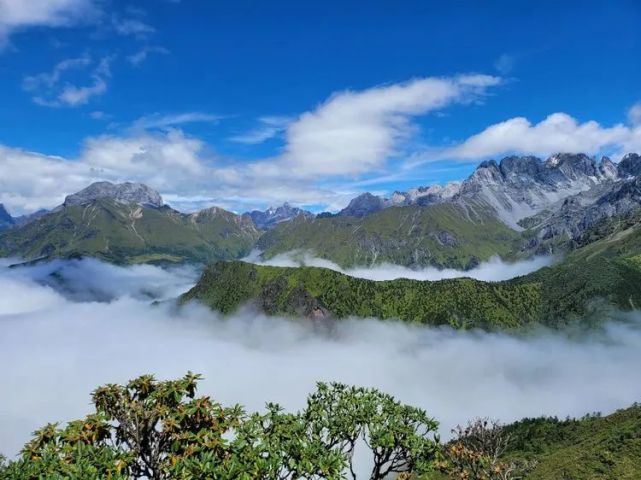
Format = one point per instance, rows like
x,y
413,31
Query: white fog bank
x,y
56,348
493,270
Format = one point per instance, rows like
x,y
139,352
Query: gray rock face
x,y
630,165
363,205
425,195
273,216
122,192
581,212
521,187
6,220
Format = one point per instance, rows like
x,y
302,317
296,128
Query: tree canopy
x,y
163,430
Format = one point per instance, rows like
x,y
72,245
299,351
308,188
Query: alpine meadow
x,y
320,240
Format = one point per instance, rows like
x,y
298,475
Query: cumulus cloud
x,y
56,348
493,270
351,133
356,132
48,89
162,160
559,132
16,15
167,160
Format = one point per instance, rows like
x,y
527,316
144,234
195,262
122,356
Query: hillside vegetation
x,y
129,233
317,292
593,447
163,430
443,235
585,286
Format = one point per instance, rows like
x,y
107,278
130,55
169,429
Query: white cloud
x,y
356,132
73,96
29,181
634,114
47,373
168,161
493,270
49,91
270,127
558,132
351,133
49,80
141,55
16,15
163,160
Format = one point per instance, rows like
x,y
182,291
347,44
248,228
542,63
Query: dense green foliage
x,y
461,303
443,235
593,447
161,430
593,278
584,286
130,233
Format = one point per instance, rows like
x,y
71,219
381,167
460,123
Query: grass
x,y
593,447
443,235
126,233
586,287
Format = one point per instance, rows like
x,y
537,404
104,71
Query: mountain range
x,y
585,210
514,209
594,279
275,215
128,223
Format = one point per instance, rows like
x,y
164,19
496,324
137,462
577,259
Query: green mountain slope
x,y
443,235
313,291
130,233
584,287
591,448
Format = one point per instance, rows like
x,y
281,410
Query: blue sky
x,y
248,103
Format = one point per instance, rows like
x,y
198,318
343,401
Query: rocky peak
x,y
575,166
517,168
607,168
6,220
123,192
425,195
630,165
487,173
275,215
363,205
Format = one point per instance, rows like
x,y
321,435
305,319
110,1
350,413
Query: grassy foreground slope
x,y
442,235
130,233
594,447
600,274
586,285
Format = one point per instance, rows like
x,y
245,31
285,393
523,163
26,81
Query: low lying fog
x,y
56,346
493,270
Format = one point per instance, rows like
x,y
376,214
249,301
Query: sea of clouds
x,y
493,270
68,326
